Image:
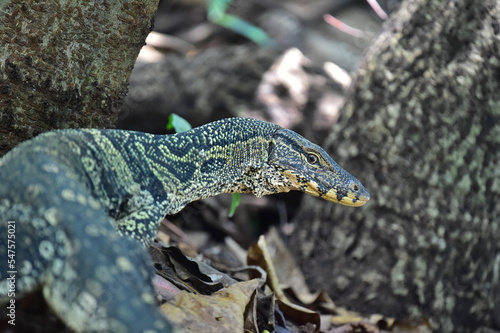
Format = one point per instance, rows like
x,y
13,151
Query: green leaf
x,y
235,202
177,123
217,13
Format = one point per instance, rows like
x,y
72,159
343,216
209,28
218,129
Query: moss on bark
x,y
422,131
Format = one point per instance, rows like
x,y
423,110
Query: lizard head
x,y
306,167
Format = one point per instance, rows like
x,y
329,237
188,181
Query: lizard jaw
x,y
351,198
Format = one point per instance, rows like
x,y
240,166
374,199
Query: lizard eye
x,y
312,158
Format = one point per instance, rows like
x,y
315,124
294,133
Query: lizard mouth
x,y
351,199
347,197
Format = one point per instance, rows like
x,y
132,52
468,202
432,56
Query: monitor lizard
x,y
71,195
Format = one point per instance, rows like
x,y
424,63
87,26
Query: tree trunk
x,y
421,130
66,64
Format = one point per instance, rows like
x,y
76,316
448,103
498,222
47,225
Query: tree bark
x,y
421,130
66,64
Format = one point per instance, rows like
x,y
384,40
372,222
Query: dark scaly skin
x,y
74,193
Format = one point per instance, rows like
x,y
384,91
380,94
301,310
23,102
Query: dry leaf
x,y
223,311
258,254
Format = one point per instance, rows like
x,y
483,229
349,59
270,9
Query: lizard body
x,y
73,193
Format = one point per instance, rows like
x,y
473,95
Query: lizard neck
x,y
225,156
